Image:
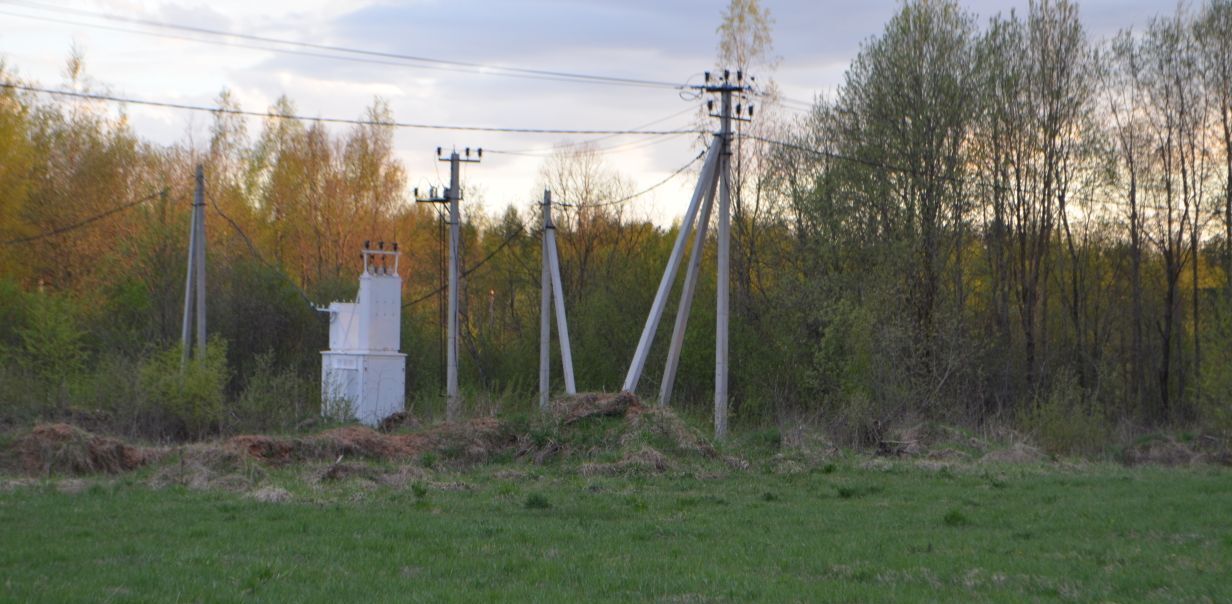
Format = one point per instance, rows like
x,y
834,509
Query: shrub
x,y
1065,421
192,397
273,398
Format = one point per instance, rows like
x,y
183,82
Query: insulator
x,y
367,244
710,105
415,191
726,75
738,109
395,246
750,111
740,75
481,153
438,151
707,77
468,151
381,245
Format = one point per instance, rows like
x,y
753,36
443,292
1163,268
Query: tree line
x,y
992,222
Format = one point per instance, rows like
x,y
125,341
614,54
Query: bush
x,y
193,397
273,399
1065,421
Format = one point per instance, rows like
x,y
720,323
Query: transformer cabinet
x,y
363,376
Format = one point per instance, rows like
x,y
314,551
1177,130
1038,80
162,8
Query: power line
x,y
82,223
504,244
626,198
427,62
331,120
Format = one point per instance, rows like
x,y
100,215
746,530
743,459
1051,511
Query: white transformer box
x,y
363,376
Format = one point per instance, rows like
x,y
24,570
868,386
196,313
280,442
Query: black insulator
x,y
381,245
481,153
726,75
707,77
395,246
367,244
468,151
750,111
710,105
737,108
438,151
740,75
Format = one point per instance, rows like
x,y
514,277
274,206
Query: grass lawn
x,y
844,532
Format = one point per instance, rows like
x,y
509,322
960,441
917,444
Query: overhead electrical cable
x,y
84,222
504,244
331,120
467,66
628,198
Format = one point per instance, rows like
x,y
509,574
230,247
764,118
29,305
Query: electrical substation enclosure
x,y
362,374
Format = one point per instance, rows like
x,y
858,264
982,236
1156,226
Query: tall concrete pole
x,y
453,406
545,309
199,208
724,264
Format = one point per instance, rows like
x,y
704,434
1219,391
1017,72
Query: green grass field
x,y
848,531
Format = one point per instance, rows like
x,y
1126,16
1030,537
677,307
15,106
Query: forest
x,y
993,222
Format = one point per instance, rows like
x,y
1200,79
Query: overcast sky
x,y
644,39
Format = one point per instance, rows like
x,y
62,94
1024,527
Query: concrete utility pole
x,y
195,278
551,289
722,283
715,174
545,310
453,406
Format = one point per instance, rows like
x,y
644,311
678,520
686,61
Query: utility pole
x,y
453,194
545,310
722,287
552,289
194,281
715,174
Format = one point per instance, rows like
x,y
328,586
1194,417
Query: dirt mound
x,y
1016,453
209,466
642,461
663,429
1160,451
596,404
401,420
61,448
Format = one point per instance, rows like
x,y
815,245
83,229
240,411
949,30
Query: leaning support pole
x,y
186,327
562,326
545,309
686,299
673,265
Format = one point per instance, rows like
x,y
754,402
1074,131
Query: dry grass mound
x,y
66,449
1016,453
1159,451
664,429
644,460
578,407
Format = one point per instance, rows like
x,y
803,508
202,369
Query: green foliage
x,y
52,346
273,399
192,398
536,501
1064,422
955,517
